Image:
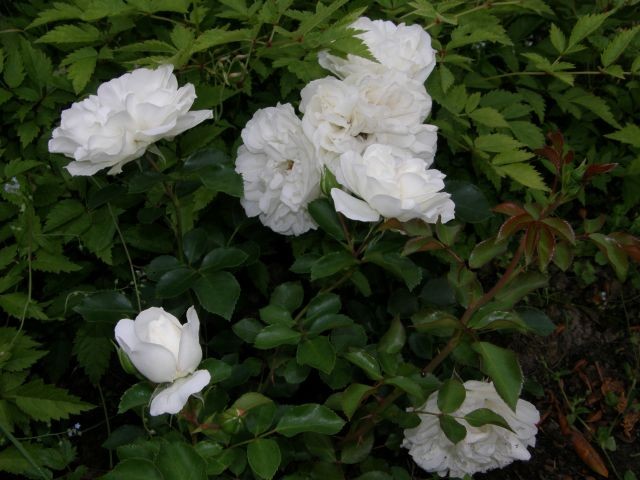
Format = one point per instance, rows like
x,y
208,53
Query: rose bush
x,y
123,119
165,351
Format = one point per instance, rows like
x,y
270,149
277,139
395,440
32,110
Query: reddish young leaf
x,y
562,228
509,208
568,158
551,155
512,225
531,240
599,169
546,247
588,454
557,140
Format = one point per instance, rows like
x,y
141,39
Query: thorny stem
x,y
473,307
485,5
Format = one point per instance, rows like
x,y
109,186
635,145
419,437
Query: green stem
x,y
128,255
22,451
106,418
536,73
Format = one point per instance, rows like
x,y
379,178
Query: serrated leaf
x,y
46,402
503,368
593,103
527,133
585,26
80,33
13,69
630,134
524,174
14,303
496,143
27,132
93,346
485,251
558,40
488,116
618,45
309,418
59,11
217,36
82,64
54,263
23,351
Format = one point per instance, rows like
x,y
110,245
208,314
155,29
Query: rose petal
x,y
352,207
190,351
175,396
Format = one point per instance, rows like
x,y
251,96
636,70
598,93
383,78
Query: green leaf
x,y
558,40
486,251
49,262
503,368
614,253
14,304
175,282
585,26
488,116
537,321
59,11
107,307
515,156
82,64
630,134
400,266
45,402
218,293
394,338
288,295
275,314
317,353
217,36
180,460
471,204
134,469
618,45
80,33
496,143
264,458
276,335
484,416
92,346
223,258
329,322
352,397
527,133
429,320
136,396
323,212
323,304
451,395
524,174
247,329
454,430
596,104
332,263
310,417
366,361
521,286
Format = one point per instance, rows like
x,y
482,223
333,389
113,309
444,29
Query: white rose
x,y
279,171
403,48
484,448
349,115
164,350
127,115
392,184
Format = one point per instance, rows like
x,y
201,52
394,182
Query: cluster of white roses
x,y
365,125
484,448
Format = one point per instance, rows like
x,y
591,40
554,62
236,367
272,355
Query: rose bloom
x,y
349,115
165,351
484,448
403,48
391,184
279,172
128,114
